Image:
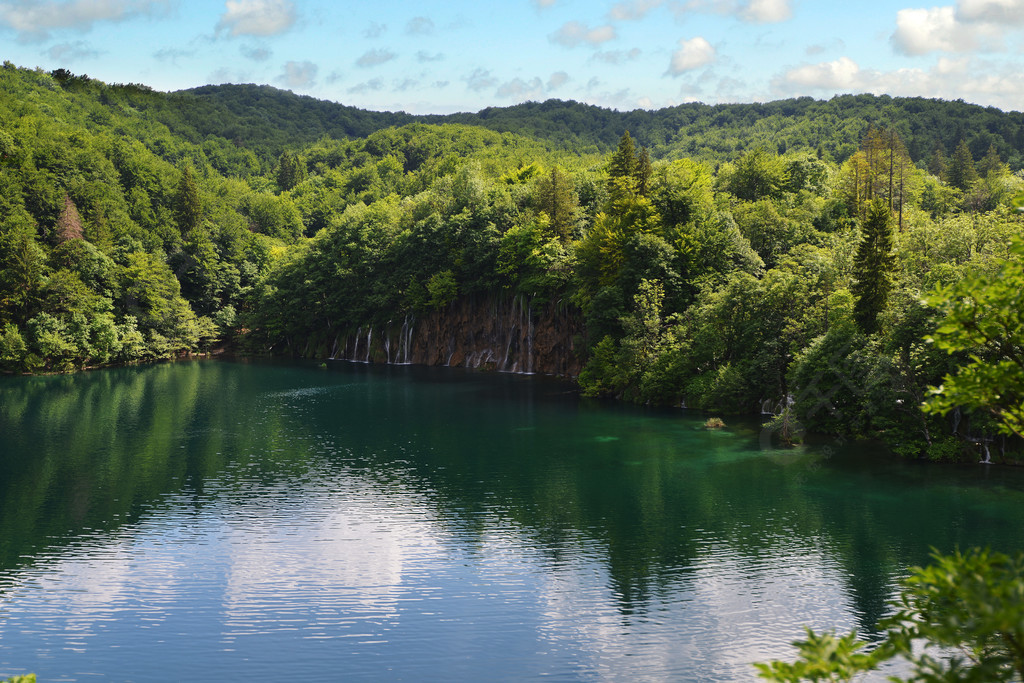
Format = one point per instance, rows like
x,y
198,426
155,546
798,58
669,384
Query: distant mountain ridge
x,y
280,118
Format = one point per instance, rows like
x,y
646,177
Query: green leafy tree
x,y
959,619
442,288
984,320
756,175
873,265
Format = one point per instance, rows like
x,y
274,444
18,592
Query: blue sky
x,y
464,55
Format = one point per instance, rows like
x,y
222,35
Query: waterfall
x,y
529,338
407,333
402,356
487,333
508,348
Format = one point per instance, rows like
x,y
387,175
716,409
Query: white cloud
x,y
71,52
616,56
692,54
766,11
920,31
752,11
256,54
374,84
298,74
520,89
480,79
995,11
375,57
543,4
423,56
533,89
419,26
172,55
256,17
632,9
573,33
374,30
974,26
840,74
557,80
968,78
34,19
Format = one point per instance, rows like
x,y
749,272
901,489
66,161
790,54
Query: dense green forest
x,y
819,261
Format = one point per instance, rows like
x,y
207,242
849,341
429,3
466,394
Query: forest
x,y
832,265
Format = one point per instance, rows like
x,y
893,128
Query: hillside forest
x,y
833,265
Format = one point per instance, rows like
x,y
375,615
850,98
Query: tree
x,y
188,206
622,166
555,196
880,170
643,172
288,171
873,266
984,319
961,172
959,619
991,164
937,163
758,174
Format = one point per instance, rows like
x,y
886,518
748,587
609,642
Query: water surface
x,y
267,521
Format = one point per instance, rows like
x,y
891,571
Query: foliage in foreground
x,y
958,619
985,318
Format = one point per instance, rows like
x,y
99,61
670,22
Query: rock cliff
x,y
507,334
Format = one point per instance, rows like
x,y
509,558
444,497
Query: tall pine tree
x,y
188,206
873,266
961,172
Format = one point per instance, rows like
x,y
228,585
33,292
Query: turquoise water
x,y
278,521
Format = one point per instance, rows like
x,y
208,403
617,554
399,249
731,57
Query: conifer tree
x,y
991,164
937,165
287,171
623,162
556,197
643,173
961,172
188,206
873,266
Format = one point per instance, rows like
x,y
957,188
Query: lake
x,y
266,521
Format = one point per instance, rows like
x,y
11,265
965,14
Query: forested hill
x,y
719,132
734,258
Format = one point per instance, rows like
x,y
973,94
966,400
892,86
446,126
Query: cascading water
x,y
529,338
495,333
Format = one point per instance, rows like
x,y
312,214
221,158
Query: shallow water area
x,y
272,520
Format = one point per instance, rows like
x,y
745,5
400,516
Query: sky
x,y
429,56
